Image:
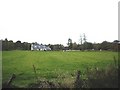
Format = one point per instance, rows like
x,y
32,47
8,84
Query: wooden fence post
x,y
35,72
10,80
78,82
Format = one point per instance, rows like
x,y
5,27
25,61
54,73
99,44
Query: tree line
x,y
10,45
84,45
105,45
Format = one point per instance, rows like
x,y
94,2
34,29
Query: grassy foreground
x,y
51,65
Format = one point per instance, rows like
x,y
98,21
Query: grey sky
x,y
54,21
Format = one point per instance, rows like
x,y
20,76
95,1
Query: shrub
x,y
102,78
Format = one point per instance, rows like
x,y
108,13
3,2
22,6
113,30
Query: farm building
x,y
40,47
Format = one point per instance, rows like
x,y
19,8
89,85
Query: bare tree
x,y
84,37
81,40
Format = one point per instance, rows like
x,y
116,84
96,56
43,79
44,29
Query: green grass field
x,y
51,65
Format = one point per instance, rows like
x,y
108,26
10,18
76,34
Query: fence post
x,y
78,82
10,80
35,72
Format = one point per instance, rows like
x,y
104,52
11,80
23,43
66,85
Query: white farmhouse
x,y
40,47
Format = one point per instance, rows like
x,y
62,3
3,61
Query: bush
x,y
99,78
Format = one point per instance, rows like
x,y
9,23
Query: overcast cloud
x,y
54,21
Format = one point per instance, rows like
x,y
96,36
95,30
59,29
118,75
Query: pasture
x,y
51,65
